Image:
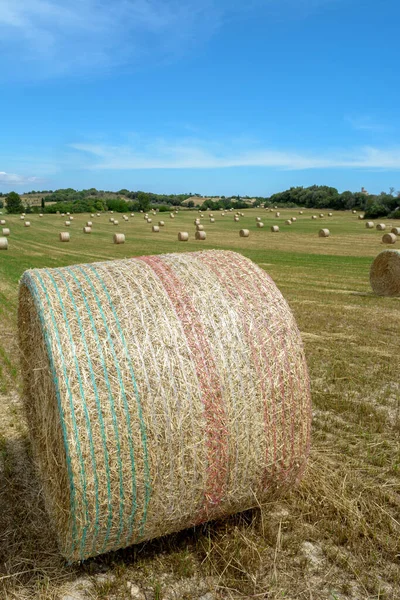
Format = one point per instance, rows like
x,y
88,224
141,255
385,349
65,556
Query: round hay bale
x,y
222,214
293,219
395,230
132,214
183,236
354,212
381,227
64,236
179,403
389,238
200,227
3,243
155,229
22,217
171,216
111,219
314,217
200,235
196,222
244,233
111,212
321,216
2,221
119,238
369,225
300,212
6,231
260,225
385,273
92,215
68,214
116,222
360,217
258,219
212,220
278,214
330,215
67,223
97,214
236,219
274,228
27,224
324,233
288,222
161,223
40,215
87,230
149,220
71,218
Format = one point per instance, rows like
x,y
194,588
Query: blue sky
x,y
209,96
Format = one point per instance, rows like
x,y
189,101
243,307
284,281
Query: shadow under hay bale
x,y
153,423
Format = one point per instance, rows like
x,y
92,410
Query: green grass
x,y
348,505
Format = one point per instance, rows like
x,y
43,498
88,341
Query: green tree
x,y
42,204
14,203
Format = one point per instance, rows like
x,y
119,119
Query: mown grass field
x,y
338,535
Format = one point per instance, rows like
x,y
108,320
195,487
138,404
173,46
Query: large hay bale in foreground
x,y
119,238
64,236
385,273
389,238
324,233
183,236
3,243
274,228
161,392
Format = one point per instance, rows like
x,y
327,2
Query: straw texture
x,y
395,230
389,238
161,392
64,236
3,243
119,238
274,228
369,225
385,273
183,236
244,233
324,233
6,231
200,235
381,226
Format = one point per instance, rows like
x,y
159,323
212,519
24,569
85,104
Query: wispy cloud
x,y
366,123
13,179
195,154
58,37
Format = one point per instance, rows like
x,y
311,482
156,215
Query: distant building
x,y
364,191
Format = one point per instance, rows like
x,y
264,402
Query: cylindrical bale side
x,y
6,231
199,227
183,236
360,217
64,236
330,214
395,230
161,223
381,227
3,243
236,219
369,225
314,217
27,224
171,216
288,222
89,224
212,220
260,225
321,216
258,219
2,221
87,230
385,273
274,228
293,219
244,233
67,223
119,238
278,214
389,238
159,395
155,229
200,235
149,220
116,222
324,233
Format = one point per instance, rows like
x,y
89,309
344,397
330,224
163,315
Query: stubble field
x,y
338,535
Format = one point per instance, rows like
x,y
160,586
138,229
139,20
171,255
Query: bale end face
x,y
244,233
324,233
119,238
389,238
385,273
369,225
200,235
381,227
64,236
3,243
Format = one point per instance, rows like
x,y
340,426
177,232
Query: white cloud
x,y
54,37
196,154
366,123
13,179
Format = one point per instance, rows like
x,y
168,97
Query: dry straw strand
x,y
164,391
385,273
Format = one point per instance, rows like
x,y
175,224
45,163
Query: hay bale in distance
x,y
244,233
274,228
87,230
119,238
324,233
199,227
2,221
385,273
71,218
389,238
300,212
27,224
3,243
260,225
212,220
395,230
278,214
64,236
293,219
67,223
236,219
258,219
149,220
321,216
155,229
330,215
381,227
288,222
116,222
369,225
111,219
183,236
6,231
360,217
314,217
200,235
161,223
131,439
171,216
22,217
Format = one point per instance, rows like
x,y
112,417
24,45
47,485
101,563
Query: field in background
x,y
337,536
